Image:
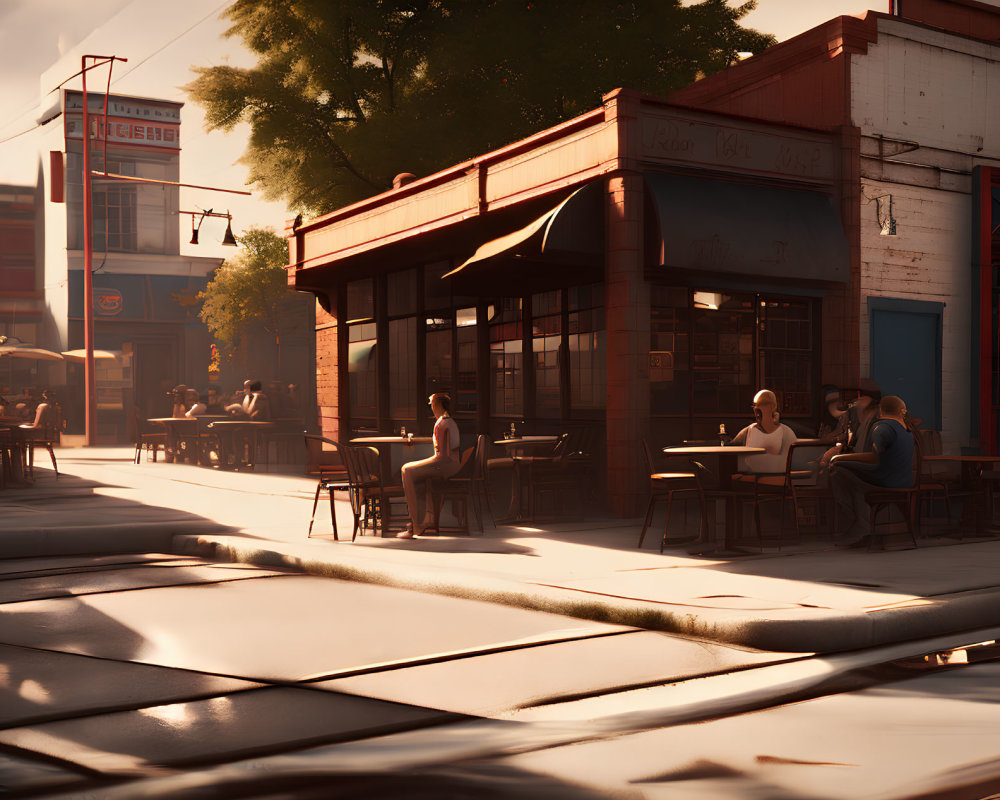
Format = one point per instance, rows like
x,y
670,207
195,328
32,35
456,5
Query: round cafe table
x,y
973,484
518,447
238,441
406,446
728,462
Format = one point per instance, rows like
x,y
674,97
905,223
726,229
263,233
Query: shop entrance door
x,y
155,376
906,354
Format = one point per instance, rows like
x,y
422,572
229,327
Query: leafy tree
x,y
348,93
248,290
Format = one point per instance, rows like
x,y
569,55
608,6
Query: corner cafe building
x,y
640,270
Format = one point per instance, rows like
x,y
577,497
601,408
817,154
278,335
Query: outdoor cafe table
x,y
233,432
728,465
518,447
179,429
405,446
971,468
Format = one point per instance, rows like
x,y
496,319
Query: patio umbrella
x,y
81,355
36,353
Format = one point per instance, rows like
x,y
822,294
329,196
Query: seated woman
x,y
767,432
45,415
443,464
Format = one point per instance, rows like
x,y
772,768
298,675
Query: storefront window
x,y
360,300
786,337
669,372
402,293
506,356
722,349
587,348
467,361
546,332
710,351
403,368
362,374
438,336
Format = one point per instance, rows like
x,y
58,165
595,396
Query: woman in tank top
x,y
443,464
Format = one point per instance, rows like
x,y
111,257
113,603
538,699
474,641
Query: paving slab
x,y
873,743
21,774
488,684
13,590
219,728
41,684
49,565
285,628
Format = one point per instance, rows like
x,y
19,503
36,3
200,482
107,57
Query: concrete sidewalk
x,y
813,600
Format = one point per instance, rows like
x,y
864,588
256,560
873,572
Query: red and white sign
x,y
130,121
155,134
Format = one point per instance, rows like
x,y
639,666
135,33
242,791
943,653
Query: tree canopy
x,y
348,93
249,289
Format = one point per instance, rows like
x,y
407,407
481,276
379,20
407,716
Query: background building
x,y
913,100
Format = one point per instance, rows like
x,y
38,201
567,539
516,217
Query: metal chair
x,y
333,477
663,484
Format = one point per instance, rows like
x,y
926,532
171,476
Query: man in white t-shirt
x,y
766,432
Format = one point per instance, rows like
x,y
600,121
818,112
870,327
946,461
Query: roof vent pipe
x,y
402,179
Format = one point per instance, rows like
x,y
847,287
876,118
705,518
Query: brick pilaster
x,y
627,319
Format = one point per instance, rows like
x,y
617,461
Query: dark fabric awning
x,y
746,229
563,245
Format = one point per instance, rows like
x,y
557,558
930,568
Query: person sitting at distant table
x,y
239,409
767,432
196,403
45,415
259,406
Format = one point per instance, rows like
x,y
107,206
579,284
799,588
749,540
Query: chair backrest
x,y
367,463
647,455
481,457
320,460
930,442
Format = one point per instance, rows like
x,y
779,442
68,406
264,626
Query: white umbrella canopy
x,y
36,353
81,355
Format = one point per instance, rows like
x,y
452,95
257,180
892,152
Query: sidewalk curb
x,y
118,537
812,630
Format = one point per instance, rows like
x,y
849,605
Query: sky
x,y
40,46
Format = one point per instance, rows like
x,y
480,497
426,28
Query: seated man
x,y
196,405
889,464
766,432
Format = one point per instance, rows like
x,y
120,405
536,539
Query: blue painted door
x,y
906,360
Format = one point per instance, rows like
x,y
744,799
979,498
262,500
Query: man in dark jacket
x,y
888,464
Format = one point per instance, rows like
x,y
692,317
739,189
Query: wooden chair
x,y
798,483
907,500
147,438
47,437
459,488
333,476
375,497
663,485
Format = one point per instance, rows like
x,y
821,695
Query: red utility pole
x,y
90,392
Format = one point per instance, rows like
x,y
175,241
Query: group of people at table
x,y
871,445
236,445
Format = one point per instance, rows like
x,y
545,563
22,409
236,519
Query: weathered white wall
x,y
927,260
928,106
